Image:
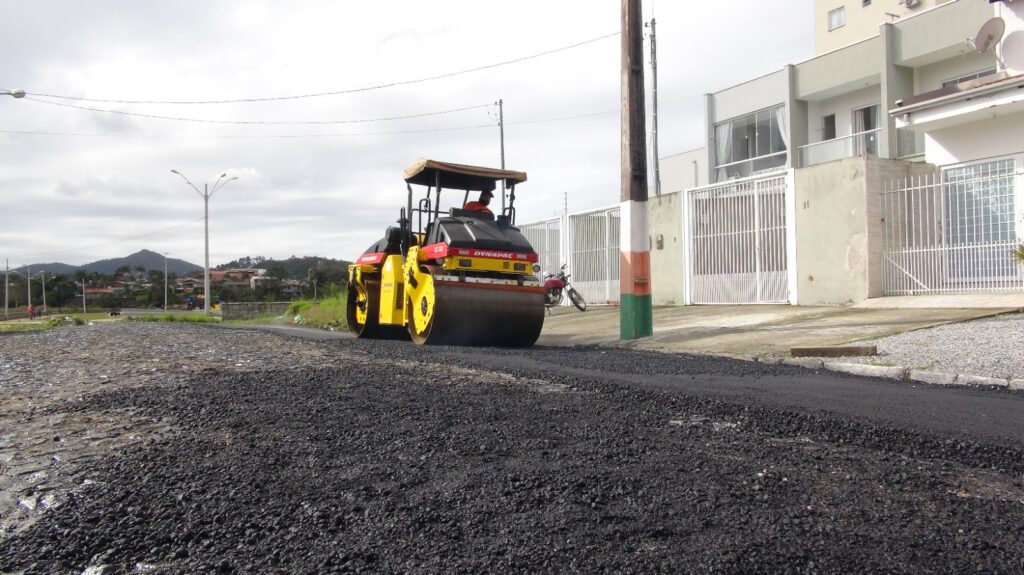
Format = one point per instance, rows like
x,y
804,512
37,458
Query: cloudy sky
x,y
80,185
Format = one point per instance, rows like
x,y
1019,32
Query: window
x,y
865,130
828,127
979,214
968,77
836,18
750,144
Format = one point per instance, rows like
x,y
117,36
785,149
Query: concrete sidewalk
x,y
767,331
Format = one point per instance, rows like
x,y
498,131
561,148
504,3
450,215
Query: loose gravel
x,y
990,347
357,457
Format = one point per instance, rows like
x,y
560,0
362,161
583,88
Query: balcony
x,y
753,166
859,144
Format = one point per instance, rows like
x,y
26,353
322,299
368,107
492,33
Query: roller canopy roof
x,y
460,177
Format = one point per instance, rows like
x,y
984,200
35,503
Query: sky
x,y
315,176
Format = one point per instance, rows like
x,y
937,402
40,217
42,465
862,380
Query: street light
x,y
13,93
206,194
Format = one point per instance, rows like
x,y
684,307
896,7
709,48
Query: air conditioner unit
x,y
911,3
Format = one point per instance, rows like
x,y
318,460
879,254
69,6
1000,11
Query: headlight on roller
x,y
536,268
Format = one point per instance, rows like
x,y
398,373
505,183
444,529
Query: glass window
x,y
968,77
743,144
836,18
979,219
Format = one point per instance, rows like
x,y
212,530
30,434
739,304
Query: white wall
x,y
931,77
751,96
677,171
975,140
842,107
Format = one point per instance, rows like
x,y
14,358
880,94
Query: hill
x,y
144,258
293,267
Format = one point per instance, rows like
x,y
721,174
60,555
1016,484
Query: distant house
x,y
94,293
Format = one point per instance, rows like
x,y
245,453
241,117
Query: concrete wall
x,y
839,228
250,310
852,68
757,94
831,233
975,140
842,106
678,172
931,77
668,274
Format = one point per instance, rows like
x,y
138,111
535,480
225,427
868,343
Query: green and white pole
x,y
635,315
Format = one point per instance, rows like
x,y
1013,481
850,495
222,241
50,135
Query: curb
x,y
900,373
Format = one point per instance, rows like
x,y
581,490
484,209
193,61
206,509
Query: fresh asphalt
x,y
988,415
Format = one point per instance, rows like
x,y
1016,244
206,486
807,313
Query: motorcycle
x,y
557,284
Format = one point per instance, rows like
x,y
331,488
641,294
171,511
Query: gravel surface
x,y
257,453
990,347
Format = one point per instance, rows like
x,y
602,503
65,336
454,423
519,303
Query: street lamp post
x,y
13,94
206,194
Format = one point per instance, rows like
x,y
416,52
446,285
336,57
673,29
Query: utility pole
x,y
83,293
165,281
635,315
501,133
654,105
7,298
28,286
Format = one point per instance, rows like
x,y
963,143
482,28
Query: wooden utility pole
x,y
635,316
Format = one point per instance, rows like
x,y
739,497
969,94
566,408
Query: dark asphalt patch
x,y
393,466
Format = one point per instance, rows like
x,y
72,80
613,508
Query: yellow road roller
x,y
460,275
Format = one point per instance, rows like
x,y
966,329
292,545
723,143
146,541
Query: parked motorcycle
x,y
557,285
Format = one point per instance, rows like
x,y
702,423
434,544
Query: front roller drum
x,y
363,313
451,314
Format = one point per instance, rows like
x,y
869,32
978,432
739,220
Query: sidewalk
x,y
768,332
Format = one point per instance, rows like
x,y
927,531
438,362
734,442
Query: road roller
x,y
453,272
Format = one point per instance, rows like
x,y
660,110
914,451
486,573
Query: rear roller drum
x,y
363,313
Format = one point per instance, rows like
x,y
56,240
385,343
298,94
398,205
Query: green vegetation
x,y
326,313
1019,253
170,317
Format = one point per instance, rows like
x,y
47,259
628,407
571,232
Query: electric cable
x,y
335,92
259,122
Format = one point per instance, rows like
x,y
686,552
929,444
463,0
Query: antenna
x,y
989,35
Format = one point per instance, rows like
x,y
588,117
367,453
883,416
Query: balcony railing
x,y
859,144
909,143
753,166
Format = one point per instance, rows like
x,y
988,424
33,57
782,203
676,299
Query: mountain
x,y
144,258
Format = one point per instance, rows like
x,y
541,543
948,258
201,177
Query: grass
x,y
326,313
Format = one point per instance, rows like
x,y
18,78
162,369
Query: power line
x,y
252,137
336,92
259,122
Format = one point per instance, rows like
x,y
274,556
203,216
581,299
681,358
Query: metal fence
x,y
546,239
952,231
589,242
737,241
594,254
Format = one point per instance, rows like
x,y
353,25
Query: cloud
x,y
331,194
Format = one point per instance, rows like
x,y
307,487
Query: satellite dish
x,y
989,35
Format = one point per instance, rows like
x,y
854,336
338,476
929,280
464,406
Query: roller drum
x,y
485,316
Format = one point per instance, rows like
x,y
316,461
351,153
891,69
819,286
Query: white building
x,y
888,164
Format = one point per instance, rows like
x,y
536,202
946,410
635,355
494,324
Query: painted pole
x,y
635,314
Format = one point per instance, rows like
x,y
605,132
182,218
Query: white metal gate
x,y
546,239
953,231
594,254
737,238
